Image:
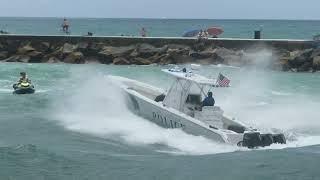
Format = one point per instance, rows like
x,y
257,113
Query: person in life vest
x,y
209,100
23,78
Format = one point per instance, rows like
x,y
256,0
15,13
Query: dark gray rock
x,y
300,58
116,51
93,49
285,67
316,63
121,61
24,59
35,56
68,48
141,61
53,60
43,47
91,60
2,47
147,50
12,46
25,49
157,58
74,58
83,45
3,55
206,61
18,58
315,52
201,54
177,46
307,66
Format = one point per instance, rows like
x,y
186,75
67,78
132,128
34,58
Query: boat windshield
x,y
194,99
185,93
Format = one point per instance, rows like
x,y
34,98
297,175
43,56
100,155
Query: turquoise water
x,y
77,127
283,29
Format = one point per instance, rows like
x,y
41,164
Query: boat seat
x,y
160,98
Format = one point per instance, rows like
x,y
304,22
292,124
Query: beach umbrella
x,y
191,33
215,31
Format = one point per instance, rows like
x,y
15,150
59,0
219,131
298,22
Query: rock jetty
x,y
141,53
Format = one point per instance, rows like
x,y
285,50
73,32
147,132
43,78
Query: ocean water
x,y
271,29
76,126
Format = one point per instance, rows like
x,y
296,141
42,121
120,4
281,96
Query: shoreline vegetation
x,y
284,55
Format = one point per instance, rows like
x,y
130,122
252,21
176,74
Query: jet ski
x,y
23,88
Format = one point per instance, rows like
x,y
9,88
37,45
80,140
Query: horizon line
x,y
156,18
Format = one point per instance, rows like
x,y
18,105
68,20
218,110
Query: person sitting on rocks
x,y
209,100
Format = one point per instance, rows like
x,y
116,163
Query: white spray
x,y
261,102
98,107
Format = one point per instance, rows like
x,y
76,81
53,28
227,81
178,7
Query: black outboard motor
x,y
279,138
251,140
255,139
266,139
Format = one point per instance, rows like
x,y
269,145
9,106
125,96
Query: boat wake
x,y
10,90
5,90
279,93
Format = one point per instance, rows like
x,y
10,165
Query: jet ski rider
x,y
23,78
209,100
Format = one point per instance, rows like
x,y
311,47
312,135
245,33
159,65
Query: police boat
x,y
181,107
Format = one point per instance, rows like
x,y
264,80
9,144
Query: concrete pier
x,y
288,44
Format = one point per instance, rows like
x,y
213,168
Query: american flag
x,y
222,81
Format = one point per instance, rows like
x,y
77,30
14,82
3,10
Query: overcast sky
x,y
206,9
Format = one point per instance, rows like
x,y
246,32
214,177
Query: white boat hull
x,y
168,117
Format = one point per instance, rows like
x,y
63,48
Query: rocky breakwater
x,y
307,60
145,54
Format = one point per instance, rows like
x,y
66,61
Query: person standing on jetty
x,y
65,26
143,32
199,36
